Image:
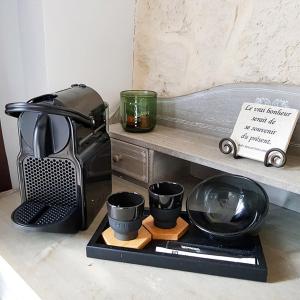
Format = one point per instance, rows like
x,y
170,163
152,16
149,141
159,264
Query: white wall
x,y
90,42
11,75
48,45
22,70
32,47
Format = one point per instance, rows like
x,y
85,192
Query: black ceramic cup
x,y
125,214
165,201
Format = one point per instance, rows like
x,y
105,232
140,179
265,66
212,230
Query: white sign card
x,y
261,127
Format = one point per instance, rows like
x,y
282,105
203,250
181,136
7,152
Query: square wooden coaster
x,y
172,234
143,238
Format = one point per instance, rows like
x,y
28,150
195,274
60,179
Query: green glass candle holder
x,y
138,110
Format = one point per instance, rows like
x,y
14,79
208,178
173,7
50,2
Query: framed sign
x,y
260,128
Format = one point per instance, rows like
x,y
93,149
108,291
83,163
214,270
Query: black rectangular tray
x,y
249,245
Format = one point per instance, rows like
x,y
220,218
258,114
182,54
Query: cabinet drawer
x,y
130,160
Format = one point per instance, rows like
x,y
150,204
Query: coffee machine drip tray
x,y
51,200
39,216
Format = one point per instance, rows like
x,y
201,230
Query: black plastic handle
x,y
41,140
15,109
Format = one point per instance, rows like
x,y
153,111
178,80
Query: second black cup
x,y
165,201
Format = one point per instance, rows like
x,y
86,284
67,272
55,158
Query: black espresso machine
x,y
64,163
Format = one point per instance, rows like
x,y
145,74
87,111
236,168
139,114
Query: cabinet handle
x,y
117,157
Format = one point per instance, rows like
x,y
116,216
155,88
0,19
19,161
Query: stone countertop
x,y
55,266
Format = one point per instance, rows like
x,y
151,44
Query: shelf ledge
x,y
203,149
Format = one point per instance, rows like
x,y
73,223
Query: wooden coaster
x,y
143,238
172,234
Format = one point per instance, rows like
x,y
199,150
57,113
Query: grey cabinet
x,y
130,160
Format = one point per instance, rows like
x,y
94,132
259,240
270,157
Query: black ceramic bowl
x,y
228,206
165,201
125,214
